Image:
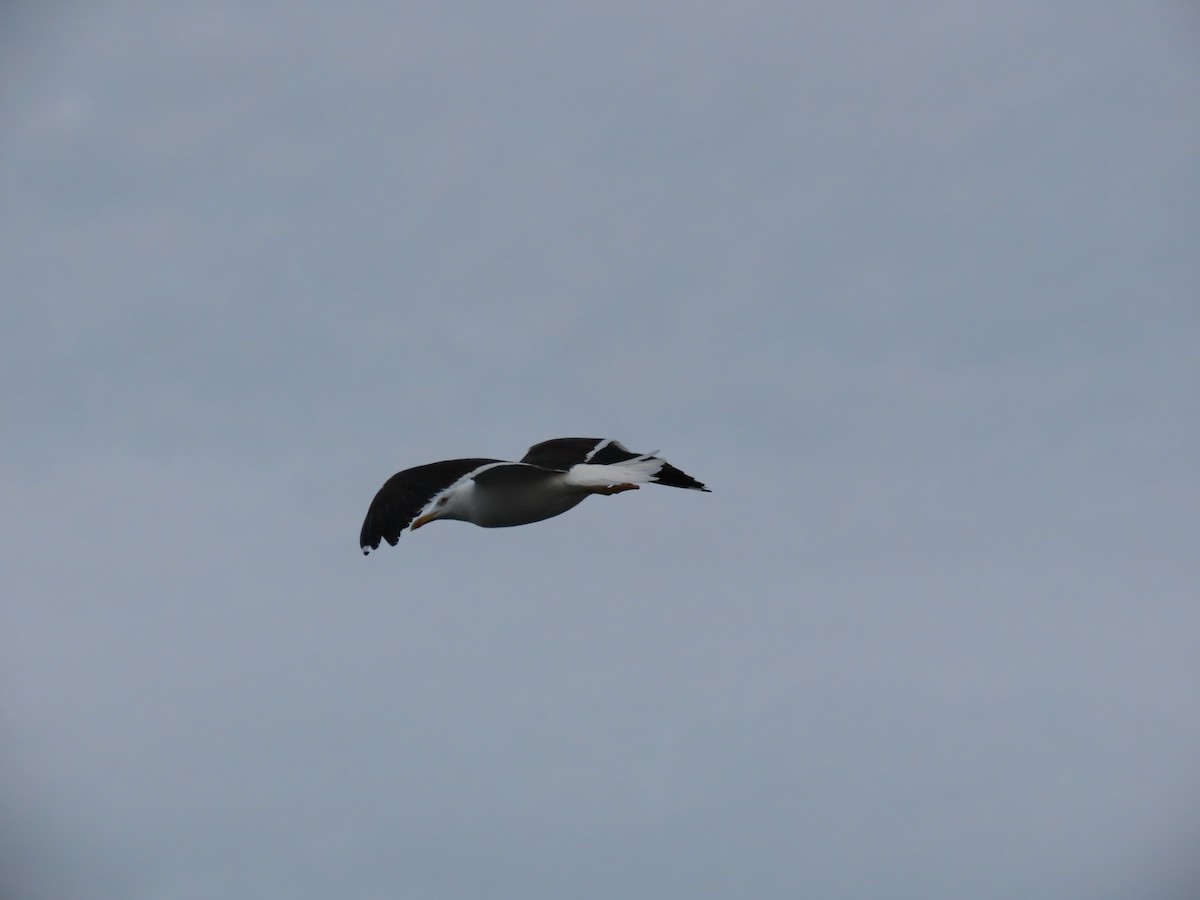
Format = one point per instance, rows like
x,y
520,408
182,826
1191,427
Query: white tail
x,y
639,470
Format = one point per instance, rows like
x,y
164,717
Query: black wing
x,y
562,453
405,494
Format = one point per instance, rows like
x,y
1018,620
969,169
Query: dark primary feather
x,y
670,476
405,494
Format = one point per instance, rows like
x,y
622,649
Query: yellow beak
x,y
421,520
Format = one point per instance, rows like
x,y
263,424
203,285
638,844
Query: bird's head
x,y
447,506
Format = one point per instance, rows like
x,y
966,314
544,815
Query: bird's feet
x,y
609,489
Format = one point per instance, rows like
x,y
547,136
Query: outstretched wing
x,y
563,453
405,494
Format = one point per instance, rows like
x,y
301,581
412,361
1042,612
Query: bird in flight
x,y
548,480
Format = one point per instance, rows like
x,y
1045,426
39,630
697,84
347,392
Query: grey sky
x,y
912,290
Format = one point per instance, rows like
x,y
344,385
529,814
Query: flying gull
x,y
551,478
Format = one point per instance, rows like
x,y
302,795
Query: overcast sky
x,y
912,288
